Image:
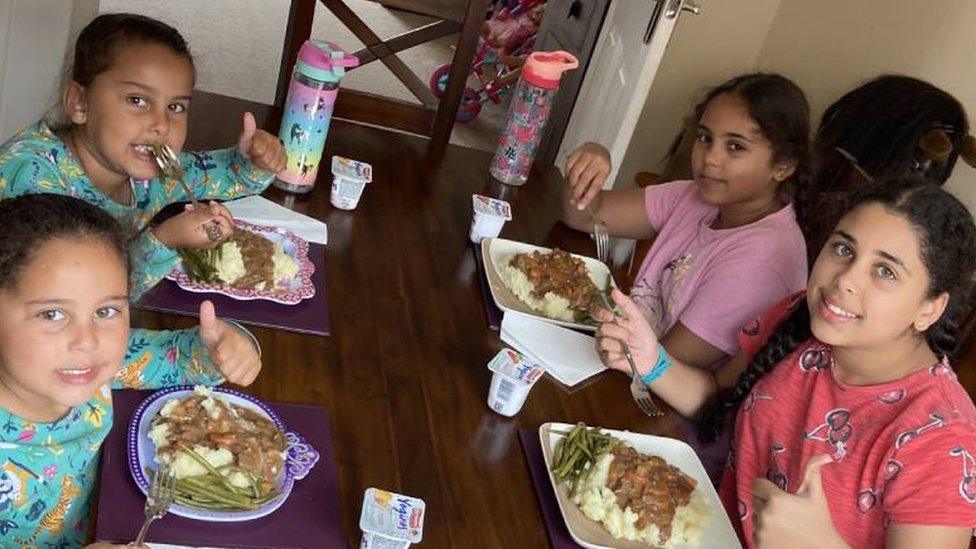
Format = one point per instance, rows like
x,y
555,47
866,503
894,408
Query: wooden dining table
x,y
403,375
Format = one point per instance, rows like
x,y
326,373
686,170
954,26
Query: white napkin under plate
x,y
261,211
567,355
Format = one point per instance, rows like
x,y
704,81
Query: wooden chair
x,y
431,118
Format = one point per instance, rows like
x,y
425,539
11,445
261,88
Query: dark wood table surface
x,y
404,375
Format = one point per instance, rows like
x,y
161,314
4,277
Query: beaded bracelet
x,y
663,363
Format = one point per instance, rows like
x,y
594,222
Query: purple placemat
x,y
493,315
310,316
308,518
559,537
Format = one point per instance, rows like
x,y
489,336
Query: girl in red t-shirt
x,y
852,428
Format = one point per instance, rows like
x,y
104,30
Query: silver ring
x,y
213,232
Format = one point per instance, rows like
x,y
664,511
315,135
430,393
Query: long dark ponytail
x,y
947,238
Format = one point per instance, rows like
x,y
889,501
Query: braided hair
x,y
947,239
31,220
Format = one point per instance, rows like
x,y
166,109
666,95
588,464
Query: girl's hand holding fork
x,y
631,328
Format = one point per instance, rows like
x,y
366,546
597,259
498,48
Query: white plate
x,y
496,250
300,457
718,533
288,292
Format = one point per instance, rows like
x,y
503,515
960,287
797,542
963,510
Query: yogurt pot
x,y
490,214
512,378
391,521
349,178
376,541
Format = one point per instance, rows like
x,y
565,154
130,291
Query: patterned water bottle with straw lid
x,y
308,111
528,114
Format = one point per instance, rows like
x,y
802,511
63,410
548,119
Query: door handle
x,y
675,7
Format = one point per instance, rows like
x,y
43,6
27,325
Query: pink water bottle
x,y
528,114
308,111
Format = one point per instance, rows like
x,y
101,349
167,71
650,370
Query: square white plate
x,y
496,250
718,533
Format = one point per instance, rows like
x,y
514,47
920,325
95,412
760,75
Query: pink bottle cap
x,y
545,68
324,55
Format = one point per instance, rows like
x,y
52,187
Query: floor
x,y
237,48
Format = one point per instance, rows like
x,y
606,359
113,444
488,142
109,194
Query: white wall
x,y
831,46
34,38
826,46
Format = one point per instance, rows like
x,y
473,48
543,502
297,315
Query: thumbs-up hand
x,y
231,351
260,147
800,520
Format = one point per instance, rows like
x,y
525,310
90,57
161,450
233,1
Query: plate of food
x,y
233,458
618,489
550,284
256,262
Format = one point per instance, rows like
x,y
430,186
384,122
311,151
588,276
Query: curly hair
x,y
29,221
947,240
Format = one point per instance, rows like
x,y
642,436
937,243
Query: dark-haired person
x,y
851,427
889,127
64,343
130,87
726,243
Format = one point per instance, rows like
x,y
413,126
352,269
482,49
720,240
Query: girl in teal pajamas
x,y
130,87
64,343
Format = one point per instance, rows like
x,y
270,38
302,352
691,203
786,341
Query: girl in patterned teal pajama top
x,y
130,87
64,343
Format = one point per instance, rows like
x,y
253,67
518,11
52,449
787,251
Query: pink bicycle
x,y
507,37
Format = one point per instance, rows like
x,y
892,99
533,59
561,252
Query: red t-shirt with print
x,y
903,451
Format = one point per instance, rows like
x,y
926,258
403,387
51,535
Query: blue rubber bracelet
x,y
663,363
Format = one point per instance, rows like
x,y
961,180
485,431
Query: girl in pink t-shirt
x,y
726,244
852,430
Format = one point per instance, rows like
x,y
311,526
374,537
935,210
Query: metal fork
x,y
640,392
169,165
161,494
600,236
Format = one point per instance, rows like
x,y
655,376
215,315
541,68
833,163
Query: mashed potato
x,y
600,504
183,465
285,266
551,305
230,265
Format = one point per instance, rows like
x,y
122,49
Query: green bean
x,y
213,490
189,486
577,452
206,464
202,504
569,441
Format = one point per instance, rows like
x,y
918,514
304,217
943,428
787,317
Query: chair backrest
x,y
430,118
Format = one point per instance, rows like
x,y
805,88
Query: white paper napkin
x,y
567,355
261,211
